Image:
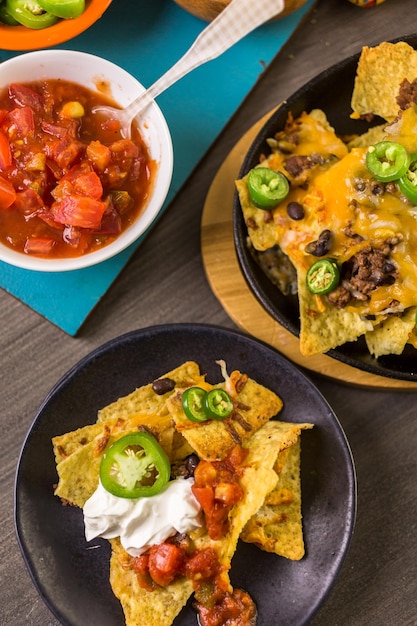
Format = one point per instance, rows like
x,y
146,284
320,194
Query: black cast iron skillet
x,y
331,91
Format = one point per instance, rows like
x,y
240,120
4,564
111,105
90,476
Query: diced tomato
x,y
28,201
64,152
140,566
124,148
24,96
99,155
165,562
7,193
89,184
5,152
204,496
23,121
203,565
68,129
39,245
79,211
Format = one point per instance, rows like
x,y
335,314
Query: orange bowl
x,y
22,38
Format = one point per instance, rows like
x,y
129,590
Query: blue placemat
x,y
146,37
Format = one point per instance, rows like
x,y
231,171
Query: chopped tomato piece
x,y
23,121
64,152
5,152
79,211
39,245
28,202
7,193
165,562
25,96
89,184
203,565
204,496
99,155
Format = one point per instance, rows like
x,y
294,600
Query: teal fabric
x,y
146,37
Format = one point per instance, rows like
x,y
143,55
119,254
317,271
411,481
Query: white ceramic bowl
x,y
90,70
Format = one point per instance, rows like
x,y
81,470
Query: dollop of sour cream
x,y
142,522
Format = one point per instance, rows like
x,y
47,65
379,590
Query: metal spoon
x,y
238,19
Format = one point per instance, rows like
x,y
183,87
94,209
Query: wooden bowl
x,y
209,9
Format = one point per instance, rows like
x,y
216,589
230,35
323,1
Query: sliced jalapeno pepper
x,y
66,9
323,276
193,404
135,466
267,188
6,17
387,161
29,13
218,404
408,182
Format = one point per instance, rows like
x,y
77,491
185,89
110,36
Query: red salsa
x,y
69,182
217,489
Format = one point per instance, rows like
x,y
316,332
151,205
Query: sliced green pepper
x,y
29,13
66,9
135,466
387,161
6,17
267,188
193,404
323,276
408,182
218,404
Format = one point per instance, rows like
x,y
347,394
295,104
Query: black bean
x,y
295,210
163,385
321,246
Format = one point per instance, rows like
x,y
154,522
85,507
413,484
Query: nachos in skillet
x,y
341,237
224,468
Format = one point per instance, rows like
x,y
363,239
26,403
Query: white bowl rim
x,y
161,183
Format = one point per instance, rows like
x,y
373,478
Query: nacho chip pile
x,y
367,227
268,515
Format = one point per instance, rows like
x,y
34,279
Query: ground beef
x,y
407,94
363,273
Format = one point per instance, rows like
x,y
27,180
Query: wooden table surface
x,y
165,282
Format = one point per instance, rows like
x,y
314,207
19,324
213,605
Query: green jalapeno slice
x,y
135,466
193,404
267,188
29,13
66,9
6,17
387,161
323,276
408,182
218,404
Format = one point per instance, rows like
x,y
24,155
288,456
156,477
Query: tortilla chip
x,y
314,135
144,400
380,73
141,607
160,607
213,439
391,336
322,326
372,136
277,526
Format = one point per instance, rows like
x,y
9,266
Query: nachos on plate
x,y
333,219
173,475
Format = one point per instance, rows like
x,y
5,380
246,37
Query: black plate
x,y
330,91
73,579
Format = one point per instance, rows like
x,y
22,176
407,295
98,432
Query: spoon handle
x,y
238,19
